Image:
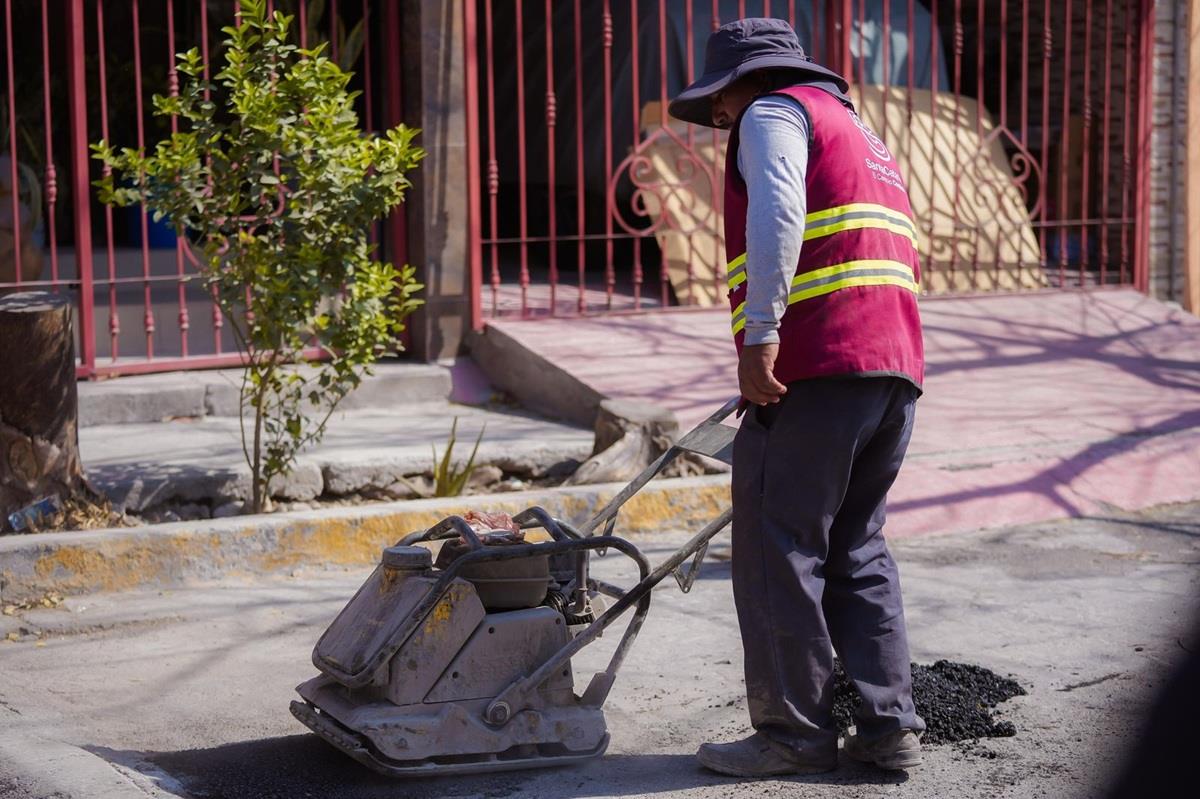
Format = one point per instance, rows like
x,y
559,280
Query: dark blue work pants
x,y
811,571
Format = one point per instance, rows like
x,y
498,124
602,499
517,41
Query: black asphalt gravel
x,y
955,699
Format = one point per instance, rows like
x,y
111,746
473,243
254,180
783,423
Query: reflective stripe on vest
x,y
829,279
855,216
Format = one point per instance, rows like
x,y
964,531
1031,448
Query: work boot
x,y
758,756
897,750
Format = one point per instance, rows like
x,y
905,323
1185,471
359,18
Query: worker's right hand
x,y
756,377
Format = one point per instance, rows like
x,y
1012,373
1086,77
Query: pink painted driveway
x,y
1036,406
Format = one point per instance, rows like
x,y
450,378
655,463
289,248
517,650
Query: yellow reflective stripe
x,y
826,222
828,229
851,266
828,279
735,271
856,208
858,216
829,288
739,318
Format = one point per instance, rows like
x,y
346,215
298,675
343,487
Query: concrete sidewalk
x,y
158,441
1037,406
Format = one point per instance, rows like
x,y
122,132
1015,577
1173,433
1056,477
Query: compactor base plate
x,y
357,747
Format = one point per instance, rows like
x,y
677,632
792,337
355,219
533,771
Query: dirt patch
x,y
955,699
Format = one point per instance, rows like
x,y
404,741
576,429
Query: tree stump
x,y
629,437
39,439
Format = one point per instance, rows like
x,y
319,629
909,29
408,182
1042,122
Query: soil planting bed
x,y
955,699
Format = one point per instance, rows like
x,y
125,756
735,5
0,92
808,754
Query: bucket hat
x,y
739,48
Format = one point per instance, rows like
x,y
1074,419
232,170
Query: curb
x,y
171,554
44,766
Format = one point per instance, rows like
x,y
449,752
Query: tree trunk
x,y
39,439
629,437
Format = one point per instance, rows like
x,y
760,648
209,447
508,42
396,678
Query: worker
x,y
823,278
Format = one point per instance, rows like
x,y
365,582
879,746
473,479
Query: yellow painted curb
x,y
172,554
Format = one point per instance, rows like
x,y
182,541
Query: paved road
x,y
185,692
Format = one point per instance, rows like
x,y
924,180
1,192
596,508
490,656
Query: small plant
x,y
448,480
275,184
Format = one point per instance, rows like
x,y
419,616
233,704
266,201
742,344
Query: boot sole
x,y
900,762
896,762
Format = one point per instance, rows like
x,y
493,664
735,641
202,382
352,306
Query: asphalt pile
x,y
955,699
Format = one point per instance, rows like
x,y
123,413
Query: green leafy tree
x,y
274,186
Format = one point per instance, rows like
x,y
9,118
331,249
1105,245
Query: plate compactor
x,y
463,665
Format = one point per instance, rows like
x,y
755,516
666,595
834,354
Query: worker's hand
x,y
756,379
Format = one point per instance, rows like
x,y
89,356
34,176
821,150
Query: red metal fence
x,y
86,74
1022,125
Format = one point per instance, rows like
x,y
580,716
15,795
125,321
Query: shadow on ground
x,y
303,765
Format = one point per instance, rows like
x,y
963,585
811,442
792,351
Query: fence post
x,y
431,45
474,199
82,188
1141,253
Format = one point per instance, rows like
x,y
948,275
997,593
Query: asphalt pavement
x,y
184,692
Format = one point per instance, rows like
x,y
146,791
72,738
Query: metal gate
x,y
89,73
1023,125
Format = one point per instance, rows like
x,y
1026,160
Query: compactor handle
x,y
538,517
446,528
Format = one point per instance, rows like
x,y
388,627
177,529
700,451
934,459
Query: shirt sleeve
x,y
773,161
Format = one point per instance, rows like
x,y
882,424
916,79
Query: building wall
x,y
1168,111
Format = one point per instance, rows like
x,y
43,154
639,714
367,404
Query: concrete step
x,y
195,395
371,451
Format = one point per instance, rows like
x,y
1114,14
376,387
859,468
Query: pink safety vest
x,y
852,309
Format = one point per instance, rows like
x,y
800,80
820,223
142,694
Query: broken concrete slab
x,y
368,451
137,486
537,383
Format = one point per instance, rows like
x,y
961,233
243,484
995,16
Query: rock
x,y
629,437
345,476
303,482
193,510
563,468
227,510
484,477
413,486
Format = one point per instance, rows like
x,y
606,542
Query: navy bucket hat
x,y
739,48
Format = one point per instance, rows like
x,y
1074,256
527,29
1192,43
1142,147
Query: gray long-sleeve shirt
x,y
773,161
